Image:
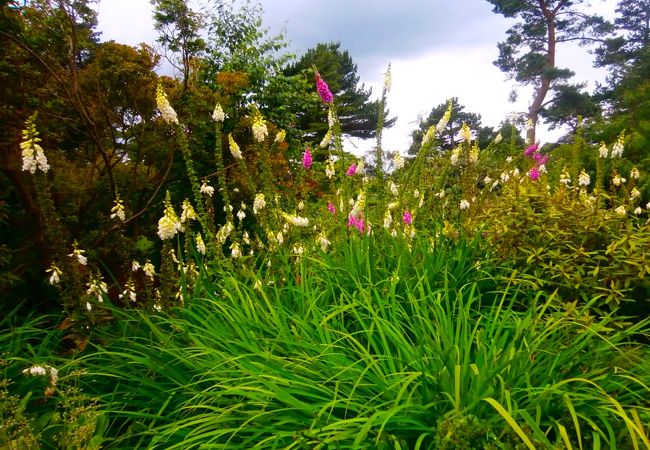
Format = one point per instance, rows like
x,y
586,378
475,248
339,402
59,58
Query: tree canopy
x,y
357,113
528,55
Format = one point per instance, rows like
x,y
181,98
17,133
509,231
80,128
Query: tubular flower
x,y
260,132
466,132
258,203
531,150
169,224
407,218
584,179
234,148
359,205
351,170
166,110
602,151
498,139
617,180
634,174
200,245
388,219
617,148
638,210
188,212
118,209
149,270
398,161
77,253
307,159
98,288
326,139
621,211
635,193
533,173
564,177
218,115
473,153
455,155
323,89
388,79
55,274
280,136
224,232
33,155
235,251
129,291
444,120
329,169
207,189
428,136
296,220
323,241
331,208
358,223
135,266
464,204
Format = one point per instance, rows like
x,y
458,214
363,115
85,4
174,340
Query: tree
x,y
632,37
179,27
357,113
448,139
570,104
528,55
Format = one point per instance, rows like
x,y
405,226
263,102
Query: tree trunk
x,y
546,78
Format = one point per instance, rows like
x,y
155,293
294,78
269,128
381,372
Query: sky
x,y
437,49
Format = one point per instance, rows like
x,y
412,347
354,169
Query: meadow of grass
x,y
416,309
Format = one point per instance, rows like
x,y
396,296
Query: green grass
x,y
354,351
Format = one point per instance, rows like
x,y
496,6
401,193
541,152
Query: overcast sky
x,y
437,48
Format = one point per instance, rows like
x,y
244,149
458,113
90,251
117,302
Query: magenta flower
x,y
531,150
357,223
351,170
540,159
307,160
331,208
534,173
323,90
407,218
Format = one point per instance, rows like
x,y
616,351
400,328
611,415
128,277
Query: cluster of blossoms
x,y
539,161
55,274
565,178
619,145
42,371
323,89
398,161
444,120
33,155
329,169
258,203
166,110
78,254
97,288
206,189
356,216
117,211
260,132
169,224
307,159
218,115
584,179
296,221
148,268
129,291
439,127
234,148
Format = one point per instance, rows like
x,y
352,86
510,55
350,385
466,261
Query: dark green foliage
x,y
357,113
449,138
